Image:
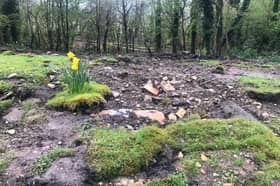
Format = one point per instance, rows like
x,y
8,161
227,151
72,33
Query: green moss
x,y
171,180
105,59
238,162
91,96
5,87
45,161
5,105
118,152
275,125
260,85
30,67
5,160
211,63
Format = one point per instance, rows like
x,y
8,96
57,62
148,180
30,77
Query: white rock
x,y
11,131
52,86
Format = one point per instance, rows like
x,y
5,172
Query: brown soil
x,y
197,90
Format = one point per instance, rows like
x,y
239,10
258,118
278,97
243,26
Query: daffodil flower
x,y
76,60
75,67
70,55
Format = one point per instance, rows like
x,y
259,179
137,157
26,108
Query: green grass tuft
x,y
44,162
93,95
5,87
30,67
260,85
119,152
179,179
5,160
105,59
211,63
5,105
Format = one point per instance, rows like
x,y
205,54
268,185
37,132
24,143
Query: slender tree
x,y
158,34
219,22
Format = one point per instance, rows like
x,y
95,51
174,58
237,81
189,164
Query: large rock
x,y
66,171
270,97
153,115
14,116
150,88
229,109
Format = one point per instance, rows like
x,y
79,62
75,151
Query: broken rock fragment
x,y
150,88
153,115
181,113
167,87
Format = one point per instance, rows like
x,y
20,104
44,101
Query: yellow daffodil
x,y
70,55
75,67
75,64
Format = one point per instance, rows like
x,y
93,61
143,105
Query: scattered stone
x,y
121,112
52,86
180,155
14,116
203,157
11,131
194,78
52,77
227,184
148,98
150,88
265,116
167,87
172,117
165,78
181,113
202,171
13,75
198,165
153,115
116,94
108,69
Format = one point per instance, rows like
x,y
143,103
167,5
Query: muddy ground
x,y
199,89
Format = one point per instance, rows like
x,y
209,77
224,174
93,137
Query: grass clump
x,y
45,161
5,160
92,94
105,59
211,63
261,85
5,87
5,105
30,67
118,152
179,179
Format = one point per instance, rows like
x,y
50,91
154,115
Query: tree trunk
x,y
208,21
276,6
175,26
158,35
219,22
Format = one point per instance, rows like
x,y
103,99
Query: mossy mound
x,y
105,59
93,95
8,53
5,87
5,159
211,63
117,152
31,68
5,105
262,88
114,153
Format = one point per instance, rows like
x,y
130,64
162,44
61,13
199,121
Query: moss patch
x,y
105,59
93,95
260,85
5,87
33,67
45,161
5,105
118,152
5,160
211,63
179,179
